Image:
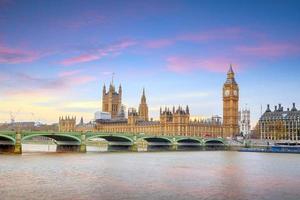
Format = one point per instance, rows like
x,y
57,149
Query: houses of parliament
x,y
172,121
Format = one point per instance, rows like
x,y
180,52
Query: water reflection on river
x,y
155,175
26,148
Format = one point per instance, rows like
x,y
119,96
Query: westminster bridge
x,y
11,141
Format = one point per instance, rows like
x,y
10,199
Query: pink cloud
x,y
80,80
42,86
14,56
180,64
269,49
80,59
112,49
203,36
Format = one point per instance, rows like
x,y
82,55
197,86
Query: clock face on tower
x,y
227,93
235,93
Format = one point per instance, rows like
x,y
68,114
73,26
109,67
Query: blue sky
x,y
56,55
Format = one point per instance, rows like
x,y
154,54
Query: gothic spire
x,y
143,99
187,110
112,78
230,76
230,73
120,89
104,89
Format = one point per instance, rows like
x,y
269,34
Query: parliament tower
x,y
112,100
230,105
143,108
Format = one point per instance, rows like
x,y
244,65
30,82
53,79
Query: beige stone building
x,y
172,121
176,121
280,124
230,105
112,100
67,124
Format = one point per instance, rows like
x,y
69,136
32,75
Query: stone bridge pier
x,y
9,144
18,145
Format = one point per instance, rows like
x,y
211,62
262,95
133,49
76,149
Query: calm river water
x,y
144,176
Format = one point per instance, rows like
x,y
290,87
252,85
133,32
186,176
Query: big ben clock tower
x,y
230,105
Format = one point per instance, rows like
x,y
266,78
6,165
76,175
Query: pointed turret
x,y
230,75
120,89
187,110
143,108
111,88
104,89
112,100
230,69
143,98
268,108
294,107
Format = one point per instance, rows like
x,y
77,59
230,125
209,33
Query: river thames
x,y
150,175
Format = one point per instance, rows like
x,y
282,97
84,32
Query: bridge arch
x,y
56,137
112,138
157,139
7,139
189,140
214,142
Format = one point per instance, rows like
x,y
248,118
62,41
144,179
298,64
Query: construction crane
x,y
12,118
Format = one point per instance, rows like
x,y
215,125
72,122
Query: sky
x,y
55,56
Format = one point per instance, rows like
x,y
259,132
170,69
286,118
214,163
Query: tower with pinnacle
x,y
230,105
143,108
112,100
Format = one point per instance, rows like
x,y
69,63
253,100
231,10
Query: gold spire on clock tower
x,y
230,105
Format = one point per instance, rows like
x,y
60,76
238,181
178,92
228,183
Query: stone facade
x,y
112,100
67,124
177,121
244,122
172,122
280,124
230,105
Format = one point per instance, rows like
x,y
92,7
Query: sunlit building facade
x,y
172,121
280,124
244,122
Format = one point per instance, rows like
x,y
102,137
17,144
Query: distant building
x,y
244,122
85,127
15,126
67,124
280,124
28,126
